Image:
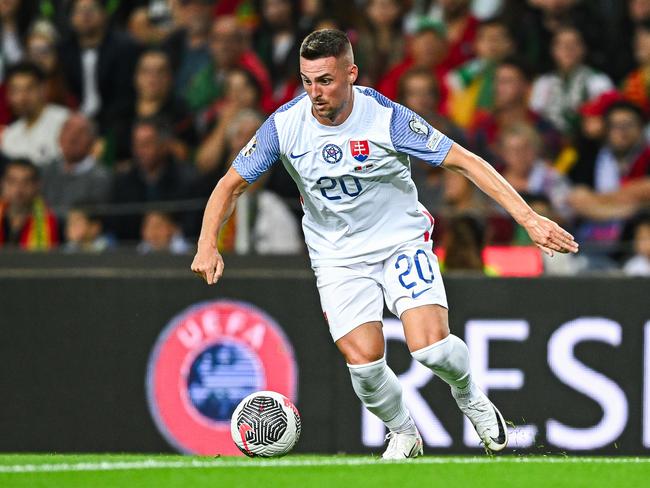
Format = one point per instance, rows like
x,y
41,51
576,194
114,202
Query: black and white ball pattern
x,y
265,424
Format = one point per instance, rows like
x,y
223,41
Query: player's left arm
x,y
544,232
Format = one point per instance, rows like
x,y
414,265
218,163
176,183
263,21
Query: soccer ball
x,y
265,424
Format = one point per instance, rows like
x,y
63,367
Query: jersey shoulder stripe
x,y
410,133
263,150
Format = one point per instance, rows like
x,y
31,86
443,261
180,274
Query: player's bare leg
x,y
378,388
427,334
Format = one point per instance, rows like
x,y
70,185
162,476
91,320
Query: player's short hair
x,y
325,43
25,68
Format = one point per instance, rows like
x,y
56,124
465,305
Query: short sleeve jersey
x,y
359,200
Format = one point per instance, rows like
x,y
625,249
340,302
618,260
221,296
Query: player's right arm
x,y
253,160
208,263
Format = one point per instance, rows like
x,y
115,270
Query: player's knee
x,y
361,352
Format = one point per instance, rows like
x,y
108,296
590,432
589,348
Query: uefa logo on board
x,y
207,359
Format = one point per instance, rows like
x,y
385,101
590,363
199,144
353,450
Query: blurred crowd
x,y
118,117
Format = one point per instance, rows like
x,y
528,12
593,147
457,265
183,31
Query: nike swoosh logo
x,y
502,435
243,428
294,156
415,295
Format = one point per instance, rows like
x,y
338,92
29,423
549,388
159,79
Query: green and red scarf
x,y
40,231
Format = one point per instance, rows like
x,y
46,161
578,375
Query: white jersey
x,y
359,200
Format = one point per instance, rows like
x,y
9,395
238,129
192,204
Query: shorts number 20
x,y
423,267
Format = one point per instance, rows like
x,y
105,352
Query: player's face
x,y
328,83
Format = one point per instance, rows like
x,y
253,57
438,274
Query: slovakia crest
x,y
360,150
207,359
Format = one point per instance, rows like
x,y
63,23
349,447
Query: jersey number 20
x,y
329,187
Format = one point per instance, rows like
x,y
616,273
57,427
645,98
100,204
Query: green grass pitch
x,y
162,471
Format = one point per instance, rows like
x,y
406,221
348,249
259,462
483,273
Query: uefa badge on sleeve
x,y
205,362
418,126
250,147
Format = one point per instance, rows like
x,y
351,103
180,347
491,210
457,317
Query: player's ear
x,y
353,73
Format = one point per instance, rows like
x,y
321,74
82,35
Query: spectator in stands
x,y
188,46
154,175
418,90
34,135
311,13
636,86
160,233
427,50
25,220
41,50
621,181
480,9
622,24
151,22
242,93
511,88
84,232
520,148
277,43
536,22
463,244
558,95
471,84
214,158
98,62
77,178
639,264
381,43
15,19
229,50
576,160
155,99
462,31
626,156
461,196
621,174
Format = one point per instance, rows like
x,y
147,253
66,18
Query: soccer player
x,y
347,148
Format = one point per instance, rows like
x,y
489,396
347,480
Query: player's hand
x,y
208,264
549,236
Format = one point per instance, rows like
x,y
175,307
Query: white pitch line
x,y
232,463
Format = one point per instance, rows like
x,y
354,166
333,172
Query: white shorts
x,y
354,294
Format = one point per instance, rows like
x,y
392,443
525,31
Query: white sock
x,y
448,359
379,390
